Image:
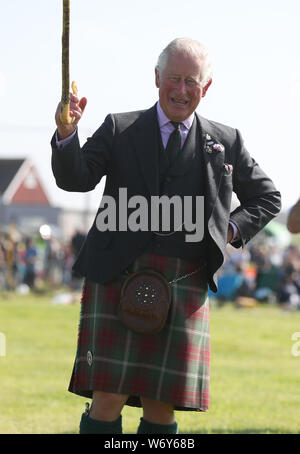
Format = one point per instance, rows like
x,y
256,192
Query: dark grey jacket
x,y
122,149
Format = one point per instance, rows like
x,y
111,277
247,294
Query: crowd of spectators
x,y
36,263
262,271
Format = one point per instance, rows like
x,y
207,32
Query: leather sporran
x,y
145,302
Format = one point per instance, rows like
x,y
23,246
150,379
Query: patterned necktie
x,y
174,142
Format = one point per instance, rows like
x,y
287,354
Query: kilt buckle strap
x,y
188,274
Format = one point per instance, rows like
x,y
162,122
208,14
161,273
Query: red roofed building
x,y
23,197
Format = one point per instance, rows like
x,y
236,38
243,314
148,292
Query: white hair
x,y
189,47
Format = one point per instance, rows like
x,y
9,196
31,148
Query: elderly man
x,y
166,150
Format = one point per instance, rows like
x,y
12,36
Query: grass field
x,y
255,379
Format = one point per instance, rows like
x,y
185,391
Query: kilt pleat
x,y
171,366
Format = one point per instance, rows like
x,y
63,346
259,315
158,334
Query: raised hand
x,y
76,109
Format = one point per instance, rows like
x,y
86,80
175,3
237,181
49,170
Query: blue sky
x,y
254,48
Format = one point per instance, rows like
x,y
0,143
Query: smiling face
x,y
179,86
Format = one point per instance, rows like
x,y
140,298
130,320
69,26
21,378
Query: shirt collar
x,y
163,119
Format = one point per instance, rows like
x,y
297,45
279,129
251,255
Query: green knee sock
x,y
94,426
147,427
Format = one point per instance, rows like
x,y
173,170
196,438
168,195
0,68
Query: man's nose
x,y
181,87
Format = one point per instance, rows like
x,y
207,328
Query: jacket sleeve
x,y
79,169
259,199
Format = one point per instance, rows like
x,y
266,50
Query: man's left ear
x,y
206,88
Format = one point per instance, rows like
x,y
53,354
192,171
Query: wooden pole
x,y
65,95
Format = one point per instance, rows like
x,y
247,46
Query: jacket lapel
x,y
145,137
213,165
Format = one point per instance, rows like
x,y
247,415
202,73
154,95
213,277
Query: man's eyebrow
x,y
195,78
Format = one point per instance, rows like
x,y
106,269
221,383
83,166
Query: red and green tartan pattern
x,y
171,366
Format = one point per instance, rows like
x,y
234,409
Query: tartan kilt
x,y
171,366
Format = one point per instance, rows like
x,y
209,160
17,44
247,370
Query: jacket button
x,y
89,358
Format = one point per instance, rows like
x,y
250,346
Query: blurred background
x,y
254,48
114,47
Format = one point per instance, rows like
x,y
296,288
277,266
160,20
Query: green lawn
x,y
255,379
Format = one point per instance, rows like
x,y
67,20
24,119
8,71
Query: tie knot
x,y
176,125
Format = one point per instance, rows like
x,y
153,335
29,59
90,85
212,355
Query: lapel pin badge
x,y
211,145
218,147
